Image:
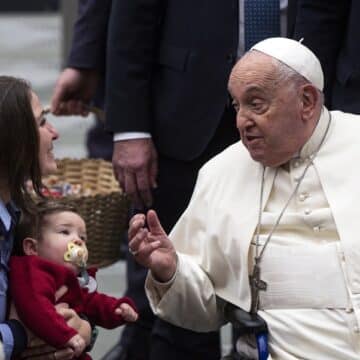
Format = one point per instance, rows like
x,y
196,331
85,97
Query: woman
x,y
25,154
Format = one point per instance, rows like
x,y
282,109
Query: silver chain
x,y
258,256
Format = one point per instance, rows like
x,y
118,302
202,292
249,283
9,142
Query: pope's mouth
x,y
252,139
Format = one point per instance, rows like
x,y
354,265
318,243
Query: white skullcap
x,y
295,55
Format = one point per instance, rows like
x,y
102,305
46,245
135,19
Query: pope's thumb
x,y
153,223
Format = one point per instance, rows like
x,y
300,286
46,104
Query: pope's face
x,y
269,116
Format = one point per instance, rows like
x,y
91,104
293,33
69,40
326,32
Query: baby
x,y
54,242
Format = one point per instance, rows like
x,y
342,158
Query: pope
x,y
272,223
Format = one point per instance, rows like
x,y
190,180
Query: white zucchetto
x,y
295,55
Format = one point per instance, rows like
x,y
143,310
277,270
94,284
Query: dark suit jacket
x,y
168,64
88,46
331,29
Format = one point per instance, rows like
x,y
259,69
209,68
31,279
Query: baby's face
x,y
60,229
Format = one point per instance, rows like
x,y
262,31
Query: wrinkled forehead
x,y
253,68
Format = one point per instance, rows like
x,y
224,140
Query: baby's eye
x,y
65,232
83,238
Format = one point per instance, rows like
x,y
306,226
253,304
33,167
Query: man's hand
x,y
126,312
135,166
73,90
151,246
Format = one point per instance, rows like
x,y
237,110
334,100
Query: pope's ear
x,y
309,97
30,246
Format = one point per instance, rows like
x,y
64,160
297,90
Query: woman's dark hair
x,y
31,224
19,141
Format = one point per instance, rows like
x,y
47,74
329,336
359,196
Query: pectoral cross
x,y
256,285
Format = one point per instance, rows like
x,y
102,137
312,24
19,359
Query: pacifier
x,y
76,254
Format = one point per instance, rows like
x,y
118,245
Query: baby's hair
x,y
31,224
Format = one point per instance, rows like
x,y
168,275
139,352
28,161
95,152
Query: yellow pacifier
x,y
76,254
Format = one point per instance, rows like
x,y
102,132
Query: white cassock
x,y
311,264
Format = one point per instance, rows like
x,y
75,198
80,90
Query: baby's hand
x,y
127,312
77,343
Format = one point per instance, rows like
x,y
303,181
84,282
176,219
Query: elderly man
x,y
272,223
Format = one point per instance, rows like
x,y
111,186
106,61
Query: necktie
x,y
262,20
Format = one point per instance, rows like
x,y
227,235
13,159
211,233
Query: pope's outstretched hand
x,y
151,246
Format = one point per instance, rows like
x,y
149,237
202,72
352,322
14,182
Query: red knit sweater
x,y
33,283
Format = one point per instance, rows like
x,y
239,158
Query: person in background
x,y
330,29
272,224
165,123
26,152
54,240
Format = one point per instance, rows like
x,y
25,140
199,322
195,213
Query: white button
x,y
307,211
303,196
297,163
316,228
356,329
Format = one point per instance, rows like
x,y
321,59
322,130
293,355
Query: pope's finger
x,y
148,249
135,226
153,223
138,240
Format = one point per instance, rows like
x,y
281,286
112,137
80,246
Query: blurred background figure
x,y
330,29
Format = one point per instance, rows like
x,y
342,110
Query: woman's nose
x,y
53,131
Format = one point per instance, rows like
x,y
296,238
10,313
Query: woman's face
x,y
47,134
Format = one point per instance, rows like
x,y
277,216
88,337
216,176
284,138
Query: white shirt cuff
x,y
131,135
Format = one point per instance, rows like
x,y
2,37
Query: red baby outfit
x,y
33,283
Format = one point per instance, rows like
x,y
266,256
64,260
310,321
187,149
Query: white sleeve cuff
x,y
130,135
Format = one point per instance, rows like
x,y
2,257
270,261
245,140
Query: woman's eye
x,y
42,122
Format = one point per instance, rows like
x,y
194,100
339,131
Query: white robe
x,y
213,235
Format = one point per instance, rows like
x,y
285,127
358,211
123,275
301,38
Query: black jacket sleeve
x,y
88,48
132,43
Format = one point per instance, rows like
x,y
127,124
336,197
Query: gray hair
x,y
287,74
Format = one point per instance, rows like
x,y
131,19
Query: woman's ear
x,y
310,98
30,246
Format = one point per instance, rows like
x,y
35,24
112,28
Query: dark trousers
x,y
152,338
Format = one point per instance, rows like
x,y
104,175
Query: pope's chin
x,y
260,157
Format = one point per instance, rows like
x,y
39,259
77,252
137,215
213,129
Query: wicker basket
x,y
105,211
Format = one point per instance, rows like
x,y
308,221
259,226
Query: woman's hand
x,y
38,350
